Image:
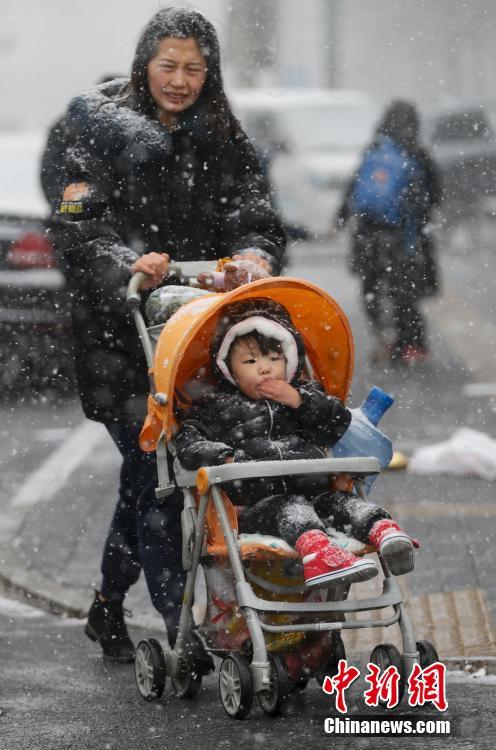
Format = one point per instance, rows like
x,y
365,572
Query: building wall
x,y
279,42
432,51
429,50
304,43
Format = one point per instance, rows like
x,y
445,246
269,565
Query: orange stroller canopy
x,y
183,347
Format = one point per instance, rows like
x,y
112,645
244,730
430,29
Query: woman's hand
x,y
255,258
155,265
234,273
279,390
241,271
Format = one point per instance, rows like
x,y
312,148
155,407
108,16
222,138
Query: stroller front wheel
x,y
274,700
427,653
235,686
332,665
149,669
188,681
386,655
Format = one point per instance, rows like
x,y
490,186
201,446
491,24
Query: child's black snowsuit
x,y
228,423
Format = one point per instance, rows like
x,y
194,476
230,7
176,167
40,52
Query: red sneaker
x,y
325,564
394,546
412,355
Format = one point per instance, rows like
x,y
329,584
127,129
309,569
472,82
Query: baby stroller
x,y
272,632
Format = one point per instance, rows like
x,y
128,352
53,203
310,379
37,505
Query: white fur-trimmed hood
x,y
267,327
262,315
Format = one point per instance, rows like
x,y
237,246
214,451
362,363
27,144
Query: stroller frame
x,y
208,481
328,615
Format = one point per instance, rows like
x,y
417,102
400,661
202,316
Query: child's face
x,y
250,368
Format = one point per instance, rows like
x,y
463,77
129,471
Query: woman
x,y
392,250
156,167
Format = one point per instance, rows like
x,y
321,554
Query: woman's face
x,y
176,76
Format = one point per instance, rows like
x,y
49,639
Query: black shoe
x,y
106,625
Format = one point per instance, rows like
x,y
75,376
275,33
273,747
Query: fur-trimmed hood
x,y
105,114
102,114
264,316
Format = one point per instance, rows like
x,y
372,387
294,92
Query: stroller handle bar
x,y
356,466
186,272
133,296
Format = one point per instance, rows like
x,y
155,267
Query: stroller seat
x,y
262,546
250,546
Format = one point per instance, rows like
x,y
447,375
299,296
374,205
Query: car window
x,y
263,128
20,190
461,127
328,127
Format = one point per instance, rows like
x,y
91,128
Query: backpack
x,y
383,182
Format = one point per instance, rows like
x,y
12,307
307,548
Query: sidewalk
x,y
53,530
51,553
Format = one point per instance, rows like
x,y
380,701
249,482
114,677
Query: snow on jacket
x,y
145,189
229,423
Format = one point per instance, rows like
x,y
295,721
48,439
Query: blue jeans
x,y
144,532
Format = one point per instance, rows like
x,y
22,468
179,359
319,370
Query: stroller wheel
x,y
427,653
384,656
188,681
300,685
235,686
275,699
149,669
331,668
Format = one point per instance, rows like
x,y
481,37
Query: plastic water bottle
x,y
363,438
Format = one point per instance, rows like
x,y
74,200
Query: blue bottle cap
x,y
376,403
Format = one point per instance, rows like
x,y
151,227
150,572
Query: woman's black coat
x,y
145,190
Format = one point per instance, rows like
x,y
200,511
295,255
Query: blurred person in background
x,y
153,166
389,202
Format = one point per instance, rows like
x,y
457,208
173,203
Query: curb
x,y
39,590
471,664
43,593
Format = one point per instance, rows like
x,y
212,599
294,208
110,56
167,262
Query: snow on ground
x,y
13,608
19,610
479,677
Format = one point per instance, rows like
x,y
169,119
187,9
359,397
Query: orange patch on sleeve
x,y
76,191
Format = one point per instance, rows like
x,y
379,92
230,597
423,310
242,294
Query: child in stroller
x,y
265,412
272,631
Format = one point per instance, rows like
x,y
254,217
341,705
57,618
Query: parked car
x,y
463,143
310,141
35,341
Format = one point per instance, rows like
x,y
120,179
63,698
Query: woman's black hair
x,y
400,122
182,23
